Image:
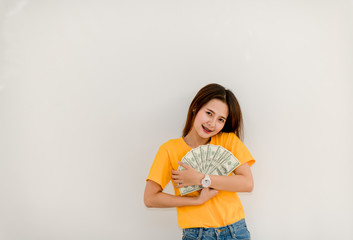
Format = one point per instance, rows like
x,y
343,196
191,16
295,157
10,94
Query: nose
x,y
212,122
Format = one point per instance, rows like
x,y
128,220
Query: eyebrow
x,y
214,112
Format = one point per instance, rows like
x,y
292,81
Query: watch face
x,y
206,182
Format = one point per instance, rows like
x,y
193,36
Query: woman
x,y
214,212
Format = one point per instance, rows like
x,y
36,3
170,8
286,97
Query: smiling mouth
x,y
206,129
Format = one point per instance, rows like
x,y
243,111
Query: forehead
x,y
218,107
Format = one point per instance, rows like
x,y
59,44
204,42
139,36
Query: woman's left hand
x,y
186,177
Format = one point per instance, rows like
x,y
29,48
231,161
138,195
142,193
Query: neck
x,y
194,140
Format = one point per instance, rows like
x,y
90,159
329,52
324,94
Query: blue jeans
x,y
237,230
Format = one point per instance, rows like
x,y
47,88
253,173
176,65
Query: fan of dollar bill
x,y
209,159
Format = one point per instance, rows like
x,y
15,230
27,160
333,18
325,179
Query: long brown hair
x,y
234,122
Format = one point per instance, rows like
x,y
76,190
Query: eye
x,y
209,113
222,120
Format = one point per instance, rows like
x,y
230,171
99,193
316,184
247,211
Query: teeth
x,y
206,128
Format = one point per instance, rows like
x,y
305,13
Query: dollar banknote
x,y
208,159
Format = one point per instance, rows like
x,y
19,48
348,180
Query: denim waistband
x,y
228,229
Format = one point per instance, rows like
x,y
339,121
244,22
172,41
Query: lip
x,y
206,130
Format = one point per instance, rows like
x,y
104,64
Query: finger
x,y
175,172
214,191
174,176
184,165
178,181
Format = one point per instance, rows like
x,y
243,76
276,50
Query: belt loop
x,y
200,234
231,230
216,232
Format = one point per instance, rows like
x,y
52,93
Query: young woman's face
x,y
211,118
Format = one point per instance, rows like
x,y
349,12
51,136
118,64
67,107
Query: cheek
x,y
220,126
201,118
196,121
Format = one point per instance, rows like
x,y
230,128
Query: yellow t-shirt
x,y
221,210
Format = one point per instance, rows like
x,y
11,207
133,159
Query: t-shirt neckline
x,y
187,146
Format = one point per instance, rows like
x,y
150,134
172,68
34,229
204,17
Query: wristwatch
x,y
206,181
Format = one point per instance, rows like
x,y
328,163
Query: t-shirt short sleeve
x,y
161,169
240,151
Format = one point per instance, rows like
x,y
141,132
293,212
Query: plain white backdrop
x,y
90,89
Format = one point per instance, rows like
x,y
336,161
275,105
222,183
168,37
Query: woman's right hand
x,y
206,194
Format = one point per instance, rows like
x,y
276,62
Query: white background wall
x,y
90,89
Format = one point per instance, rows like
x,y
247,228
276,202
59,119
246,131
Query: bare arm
x,y
242,181
155,197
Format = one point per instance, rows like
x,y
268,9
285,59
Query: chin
x,y
214,133
205,135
